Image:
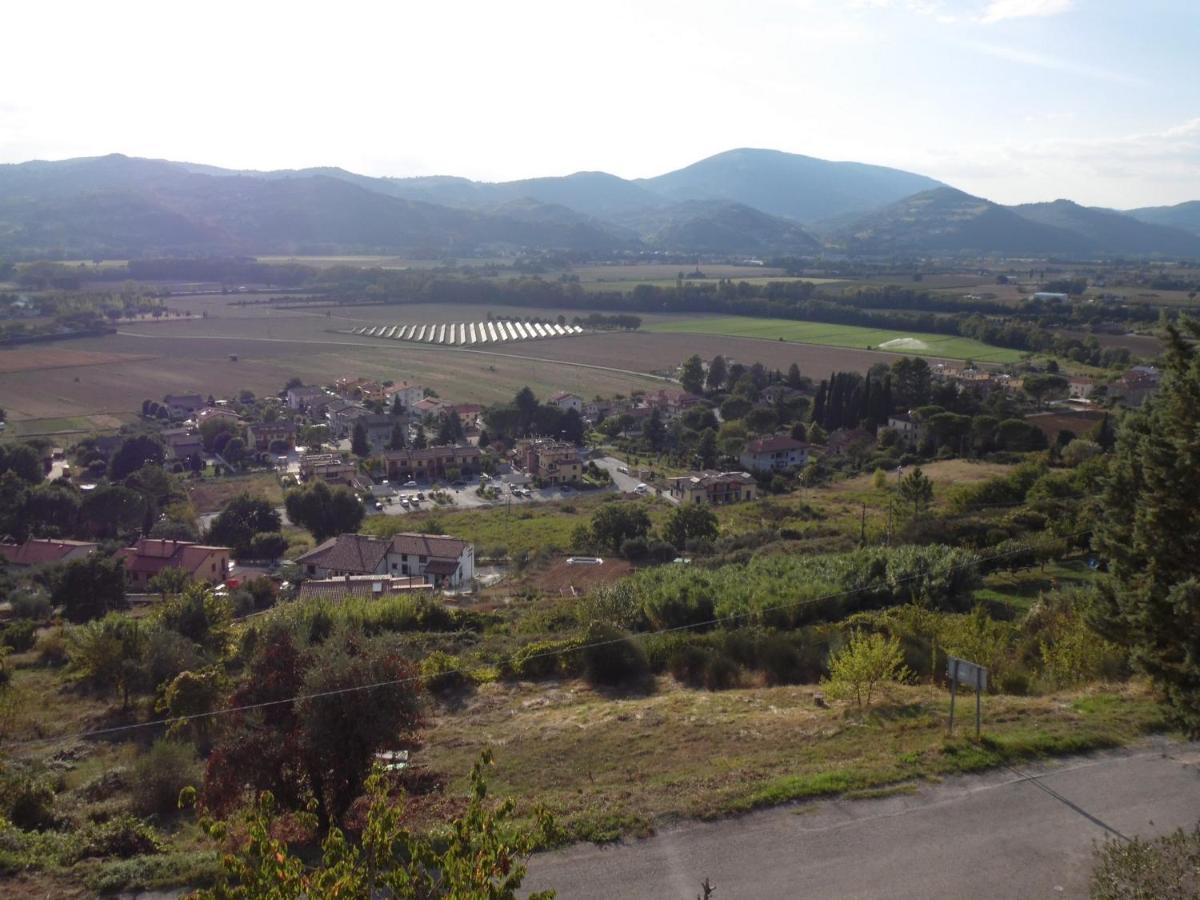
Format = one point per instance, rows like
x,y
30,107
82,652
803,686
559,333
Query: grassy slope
x,y
937,345
610,765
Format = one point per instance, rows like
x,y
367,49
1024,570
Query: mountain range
x,y
743,202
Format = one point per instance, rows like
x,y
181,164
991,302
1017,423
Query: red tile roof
x,y
348,553
41,551
151,555
774,444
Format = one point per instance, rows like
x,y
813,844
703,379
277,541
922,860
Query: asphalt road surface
x,y
1009,833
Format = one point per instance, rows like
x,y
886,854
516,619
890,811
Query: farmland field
x,y
907,342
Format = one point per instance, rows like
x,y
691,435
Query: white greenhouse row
x,y
466,334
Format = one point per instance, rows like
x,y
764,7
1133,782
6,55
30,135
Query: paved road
x,y
1000,835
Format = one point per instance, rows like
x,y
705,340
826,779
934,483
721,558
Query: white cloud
x,y
1000,10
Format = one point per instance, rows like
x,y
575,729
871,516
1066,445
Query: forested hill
x,y
739,203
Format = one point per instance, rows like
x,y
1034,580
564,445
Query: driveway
x,y
623,481
1005,834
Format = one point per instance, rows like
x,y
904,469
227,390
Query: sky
x,y
1014,100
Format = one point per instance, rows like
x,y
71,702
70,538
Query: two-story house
x,y
714,488
150,556
553,462
261,435
432,462
774,454
443,561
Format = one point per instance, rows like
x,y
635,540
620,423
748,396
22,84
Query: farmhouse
x,y
550,461
441,560
904,425
432,462
1135,385
1080,387
430,406
341,416
774,454
151,555
714,488
37,552
216,413
261,435
565,401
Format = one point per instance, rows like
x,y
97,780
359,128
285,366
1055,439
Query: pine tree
x,y
1150,599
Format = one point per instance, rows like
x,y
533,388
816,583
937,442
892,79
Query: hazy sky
x,y
1016,100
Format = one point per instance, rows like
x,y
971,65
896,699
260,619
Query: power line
x,y
641,635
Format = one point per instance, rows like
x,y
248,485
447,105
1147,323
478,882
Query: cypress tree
x,y
1147,534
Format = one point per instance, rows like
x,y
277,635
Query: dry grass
x,y
607,764
211,494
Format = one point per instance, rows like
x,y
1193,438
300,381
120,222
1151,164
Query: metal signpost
x,y
970,675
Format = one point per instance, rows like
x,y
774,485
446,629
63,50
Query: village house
x,y
408,394
341,416
848,440
1135,385
564,401
714,488
470,414
182,443
217,413
1080,387
670,402
261,435
905,426
37,552
440,461
596,411
328,467
307,399
553,462
378,429
774,454
430,406
443,561
183,405
150,556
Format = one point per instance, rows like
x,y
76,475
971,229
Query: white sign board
x,y
967,674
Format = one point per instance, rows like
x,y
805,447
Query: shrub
x,y
697,665
612,657
52,647
168,653
442,673
19,635
1160,867
28,802
546,659
30,605
161,773
122,837
662,551
863,665
634,548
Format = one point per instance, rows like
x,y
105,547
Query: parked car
x,y
410,484
379,504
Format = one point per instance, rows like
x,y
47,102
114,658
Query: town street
x,y
1022,833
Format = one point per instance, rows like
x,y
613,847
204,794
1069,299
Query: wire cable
x,y
640,635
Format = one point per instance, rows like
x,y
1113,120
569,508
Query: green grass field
x,y
910,343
